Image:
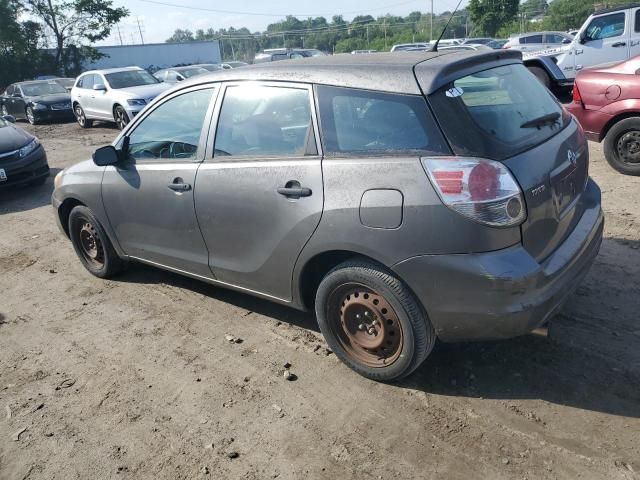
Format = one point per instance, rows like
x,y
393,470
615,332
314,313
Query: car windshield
x,y
65,82
191,72
130,78
498,113
43,88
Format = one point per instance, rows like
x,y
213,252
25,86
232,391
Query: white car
x,y
113,95
535,41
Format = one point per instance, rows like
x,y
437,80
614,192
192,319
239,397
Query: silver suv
x,y
404,198
114,95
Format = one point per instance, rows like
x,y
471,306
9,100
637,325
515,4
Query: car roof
x,y
617,9
388,72
113,70
35,82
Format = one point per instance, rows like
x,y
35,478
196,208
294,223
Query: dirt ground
x,y
134,378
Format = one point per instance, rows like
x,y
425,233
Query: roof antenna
x,y
435,45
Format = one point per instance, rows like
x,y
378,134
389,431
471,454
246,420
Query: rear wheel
x,y
121,117
622,146
92,245
541,75
4,110
82,117
372,322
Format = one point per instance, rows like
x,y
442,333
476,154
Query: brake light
x,y
577,97
482,190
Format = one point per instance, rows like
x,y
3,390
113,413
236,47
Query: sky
x,y
158,21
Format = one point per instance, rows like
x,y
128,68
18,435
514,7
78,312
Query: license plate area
x,y
566,187
3,175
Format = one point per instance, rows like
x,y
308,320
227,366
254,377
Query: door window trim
x,y
204,133
210,158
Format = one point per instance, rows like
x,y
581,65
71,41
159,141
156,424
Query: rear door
x,y
634,43
149,196
259,194
606,39
490,115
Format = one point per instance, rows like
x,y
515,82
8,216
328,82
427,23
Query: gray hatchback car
x,y
404,198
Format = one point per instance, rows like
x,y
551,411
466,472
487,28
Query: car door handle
x,y
619,44
179,186
292,189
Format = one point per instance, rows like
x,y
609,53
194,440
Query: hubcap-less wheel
x,y
121,118
91,245
628,147
366,325
4,110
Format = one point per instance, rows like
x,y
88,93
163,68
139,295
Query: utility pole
x,y
368,45
431,31
140,30
384,23
119,33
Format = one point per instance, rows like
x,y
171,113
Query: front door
x,y
17,105
149,197
259,199
634,44
605,39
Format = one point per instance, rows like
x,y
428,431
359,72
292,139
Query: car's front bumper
x,y
25,170
54,115
506,293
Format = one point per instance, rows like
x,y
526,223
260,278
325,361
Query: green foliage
x,y
337,35
489,16
73,23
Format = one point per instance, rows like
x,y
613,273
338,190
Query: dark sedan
x,y
22,158
37,101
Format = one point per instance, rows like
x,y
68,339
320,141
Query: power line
x,y
234,12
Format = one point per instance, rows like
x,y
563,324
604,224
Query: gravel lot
x,y
134,378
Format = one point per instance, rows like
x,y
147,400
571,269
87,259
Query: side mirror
x,y
583,38
9,118
179,78
105,156
17,95
100,87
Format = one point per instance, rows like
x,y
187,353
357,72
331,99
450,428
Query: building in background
x,y
155,56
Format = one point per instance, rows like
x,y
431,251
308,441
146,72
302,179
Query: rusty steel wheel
x,y
372,321
92,245
92,248
366,325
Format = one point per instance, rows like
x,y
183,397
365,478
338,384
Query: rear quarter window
x,y
363,122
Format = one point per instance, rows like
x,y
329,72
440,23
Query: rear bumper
x,y
593,121
26,170
506,293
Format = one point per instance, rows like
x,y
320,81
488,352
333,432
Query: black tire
x,y
31,116
405,316
4,110
81,117
120,116
622,146
84,230
541,75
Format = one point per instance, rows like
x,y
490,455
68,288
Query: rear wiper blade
x,y
547,119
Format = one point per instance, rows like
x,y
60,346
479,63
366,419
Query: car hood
x,y
50,99
12,138
144,91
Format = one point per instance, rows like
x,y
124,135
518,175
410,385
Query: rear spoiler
x,y
436,72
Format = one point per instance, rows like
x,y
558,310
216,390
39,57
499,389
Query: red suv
x,y
606,101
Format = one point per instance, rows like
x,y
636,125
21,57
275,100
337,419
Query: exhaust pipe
x,y
542,331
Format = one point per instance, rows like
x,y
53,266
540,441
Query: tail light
x,y
482,190
577,97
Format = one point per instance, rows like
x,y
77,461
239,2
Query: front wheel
x,y
5,112
31,117
92,245
81,117
372,321
622,146
121,117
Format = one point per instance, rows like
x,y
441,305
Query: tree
x,y
74,22
490,15
182,36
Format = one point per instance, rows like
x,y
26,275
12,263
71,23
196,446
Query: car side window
x,y
637,21
9,91
265,121
365,122
88,81
553,38
171,131
608,26
532,39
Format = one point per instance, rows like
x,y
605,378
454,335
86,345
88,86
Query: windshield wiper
x,y
548,119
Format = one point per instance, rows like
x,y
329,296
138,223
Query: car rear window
x,y
367,122
497,113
